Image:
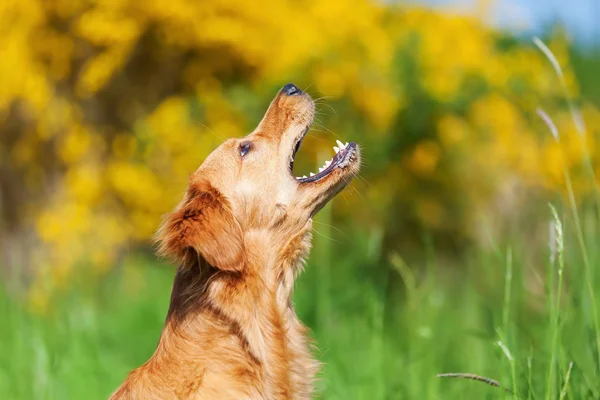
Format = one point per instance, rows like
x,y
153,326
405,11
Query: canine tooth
x,y
311,174
346,144
336,149
340,144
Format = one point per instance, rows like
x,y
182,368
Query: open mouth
x,y
345,154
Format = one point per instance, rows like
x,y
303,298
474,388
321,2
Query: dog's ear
x,y
203,224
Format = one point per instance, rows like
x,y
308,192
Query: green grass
x,y
384,328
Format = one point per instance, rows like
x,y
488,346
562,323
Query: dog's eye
x,y
245,148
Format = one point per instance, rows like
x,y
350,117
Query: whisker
x,y
327,129
324,98
325,236
321,113
327,105
313,129
221,138
358,176
345,197
320,137
332,227
319,102
357,191
349,184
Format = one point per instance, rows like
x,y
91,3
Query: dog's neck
x,y
256,302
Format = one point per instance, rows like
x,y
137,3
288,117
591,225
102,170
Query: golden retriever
x,y
240,236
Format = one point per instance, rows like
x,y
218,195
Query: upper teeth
x,y
340,146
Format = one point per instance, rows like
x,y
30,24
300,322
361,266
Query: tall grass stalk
x,y
576,115
556,251
504,336
530,375
507,291
512,365
580,239
565,388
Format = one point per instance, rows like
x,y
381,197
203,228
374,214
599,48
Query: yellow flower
x,y
425,157
84,183
75,144
115,102
452,129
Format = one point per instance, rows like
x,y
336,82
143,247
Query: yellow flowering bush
x,y
107,106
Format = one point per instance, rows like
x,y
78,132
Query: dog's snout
x,y
291,90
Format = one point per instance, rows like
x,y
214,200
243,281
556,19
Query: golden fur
x,y
240,237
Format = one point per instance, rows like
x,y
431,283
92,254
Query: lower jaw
x,y
343,158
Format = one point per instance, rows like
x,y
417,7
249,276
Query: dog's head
x,y
247,185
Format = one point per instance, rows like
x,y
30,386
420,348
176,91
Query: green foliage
x,y
380,337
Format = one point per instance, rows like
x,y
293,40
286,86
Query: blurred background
x,y
467,244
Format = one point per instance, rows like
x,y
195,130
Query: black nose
x,y
291,90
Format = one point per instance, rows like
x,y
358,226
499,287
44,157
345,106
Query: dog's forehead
x,y
222,156
219,166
